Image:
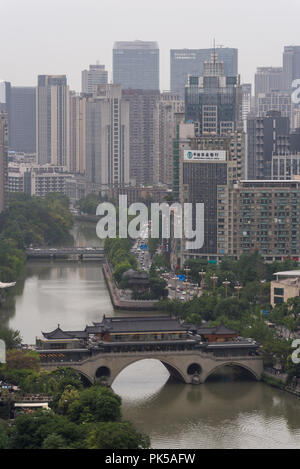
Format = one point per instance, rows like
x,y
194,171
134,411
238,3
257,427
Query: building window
x,y
278,299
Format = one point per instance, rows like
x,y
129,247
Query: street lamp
x,y
175,282
186,270
214,278
226,284
238,288
202,273
186,290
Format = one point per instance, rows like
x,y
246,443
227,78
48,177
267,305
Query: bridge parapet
x,y
192,367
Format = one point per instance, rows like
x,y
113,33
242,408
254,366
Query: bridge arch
x,y
231,363
171,368
103,372
86,377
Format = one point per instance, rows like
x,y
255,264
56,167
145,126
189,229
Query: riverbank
x,y
279,382
120,304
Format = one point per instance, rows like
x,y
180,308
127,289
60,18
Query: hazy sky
x,y
65,36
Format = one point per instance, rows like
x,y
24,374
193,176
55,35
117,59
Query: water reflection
x,y
217,414
222,413
69,294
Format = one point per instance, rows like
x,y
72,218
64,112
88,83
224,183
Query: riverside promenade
x,y
120,303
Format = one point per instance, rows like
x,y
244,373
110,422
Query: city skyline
x,y
61,50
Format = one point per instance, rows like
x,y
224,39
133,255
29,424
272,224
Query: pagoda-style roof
x,y
115,325
140,324
134,274
59,334
135,278
216,330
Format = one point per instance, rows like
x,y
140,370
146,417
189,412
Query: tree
x,y
116,435
157,286
33,431
69,396
3,437
11,338
89,204
54,441
95,404
120,269
22,359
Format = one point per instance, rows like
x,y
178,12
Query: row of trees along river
x,y
229,411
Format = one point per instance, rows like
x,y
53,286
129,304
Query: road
x,y
182,292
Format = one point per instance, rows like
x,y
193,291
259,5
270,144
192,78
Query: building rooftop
x,y
125,45
141,324
58,334
220,330
288,273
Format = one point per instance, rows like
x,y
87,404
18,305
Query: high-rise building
x,y
214,100
22,128
208,169
5,98
274,101
143,134
3,159
246,103
136,65
77,133
52,135
265,218
96,75
107,137
265,136
285,166
291,66
184,134
186,62
170,111
268,79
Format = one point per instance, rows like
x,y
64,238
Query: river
x,y
225,412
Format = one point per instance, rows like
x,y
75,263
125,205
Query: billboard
x,y
207,155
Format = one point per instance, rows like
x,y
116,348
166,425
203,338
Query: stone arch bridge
x,y
191,367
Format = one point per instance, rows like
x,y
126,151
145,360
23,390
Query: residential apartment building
x,y
263,216
107,137
143,134
96,75
265,136
169,112
77,134
52,120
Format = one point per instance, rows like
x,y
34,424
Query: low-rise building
x,y
286,285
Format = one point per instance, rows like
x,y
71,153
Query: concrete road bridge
x,y
80,252
190,367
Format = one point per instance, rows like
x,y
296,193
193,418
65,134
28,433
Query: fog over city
x,y
64,36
